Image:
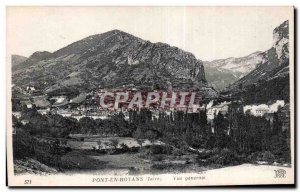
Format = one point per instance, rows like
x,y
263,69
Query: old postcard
x,y
150,96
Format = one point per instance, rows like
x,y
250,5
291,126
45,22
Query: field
x,y
124,161
90,142
96,154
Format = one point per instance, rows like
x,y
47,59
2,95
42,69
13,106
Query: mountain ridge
x,y
113,59
230,69
17,59
276,56
270,79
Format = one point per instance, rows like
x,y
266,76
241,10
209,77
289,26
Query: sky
x,y
207,32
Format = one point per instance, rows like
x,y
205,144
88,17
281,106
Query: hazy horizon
x,y
199,30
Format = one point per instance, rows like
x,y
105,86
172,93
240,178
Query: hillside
x,y
219,78
110,60
17,59
34,58
223,72
270,79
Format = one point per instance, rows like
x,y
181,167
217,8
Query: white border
x,y
5,3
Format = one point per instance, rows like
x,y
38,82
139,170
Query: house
x,y
27,103
24,121
17,114
41,102
262,109
194,109
28,88
44,111
76,101
212,111
206,106
275,106
60,101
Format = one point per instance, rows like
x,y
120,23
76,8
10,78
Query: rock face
x,y
281,42
270,79
109,60
275,61
223,72
244,71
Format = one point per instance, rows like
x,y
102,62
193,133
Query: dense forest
x,y
242,134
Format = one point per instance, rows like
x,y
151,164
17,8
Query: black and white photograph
x,y
150,96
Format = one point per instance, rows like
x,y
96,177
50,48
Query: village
x,y
89,105
123,137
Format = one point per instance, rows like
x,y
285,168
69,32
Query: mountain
x,y
34,58
219,78
40,55
17,59
223,72
110,60
270,79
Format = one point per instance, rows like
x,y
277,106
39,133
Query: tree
x,y
87,125
140,142
203,123
220,128
124,147
277,124
99,144
151,136
114,143
138,133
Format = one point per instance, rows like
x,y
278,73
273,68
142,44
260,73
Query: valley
x,y
241,115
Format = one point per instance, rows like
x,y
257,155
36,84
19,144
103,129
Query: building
x,y
27,103
213,111
60,101
262,109
17,114
44,111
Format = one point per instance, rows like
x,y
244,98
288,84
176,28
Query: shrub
x,y
76,160
134,149
143,155
225,157
23,145
168,167
101,151
160,149
177,152
156,149
158,166
133,170
158,157
266,156
68,149
124,147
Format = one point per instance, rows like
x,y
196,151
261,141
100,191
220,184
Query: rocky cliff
x,y
270,79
